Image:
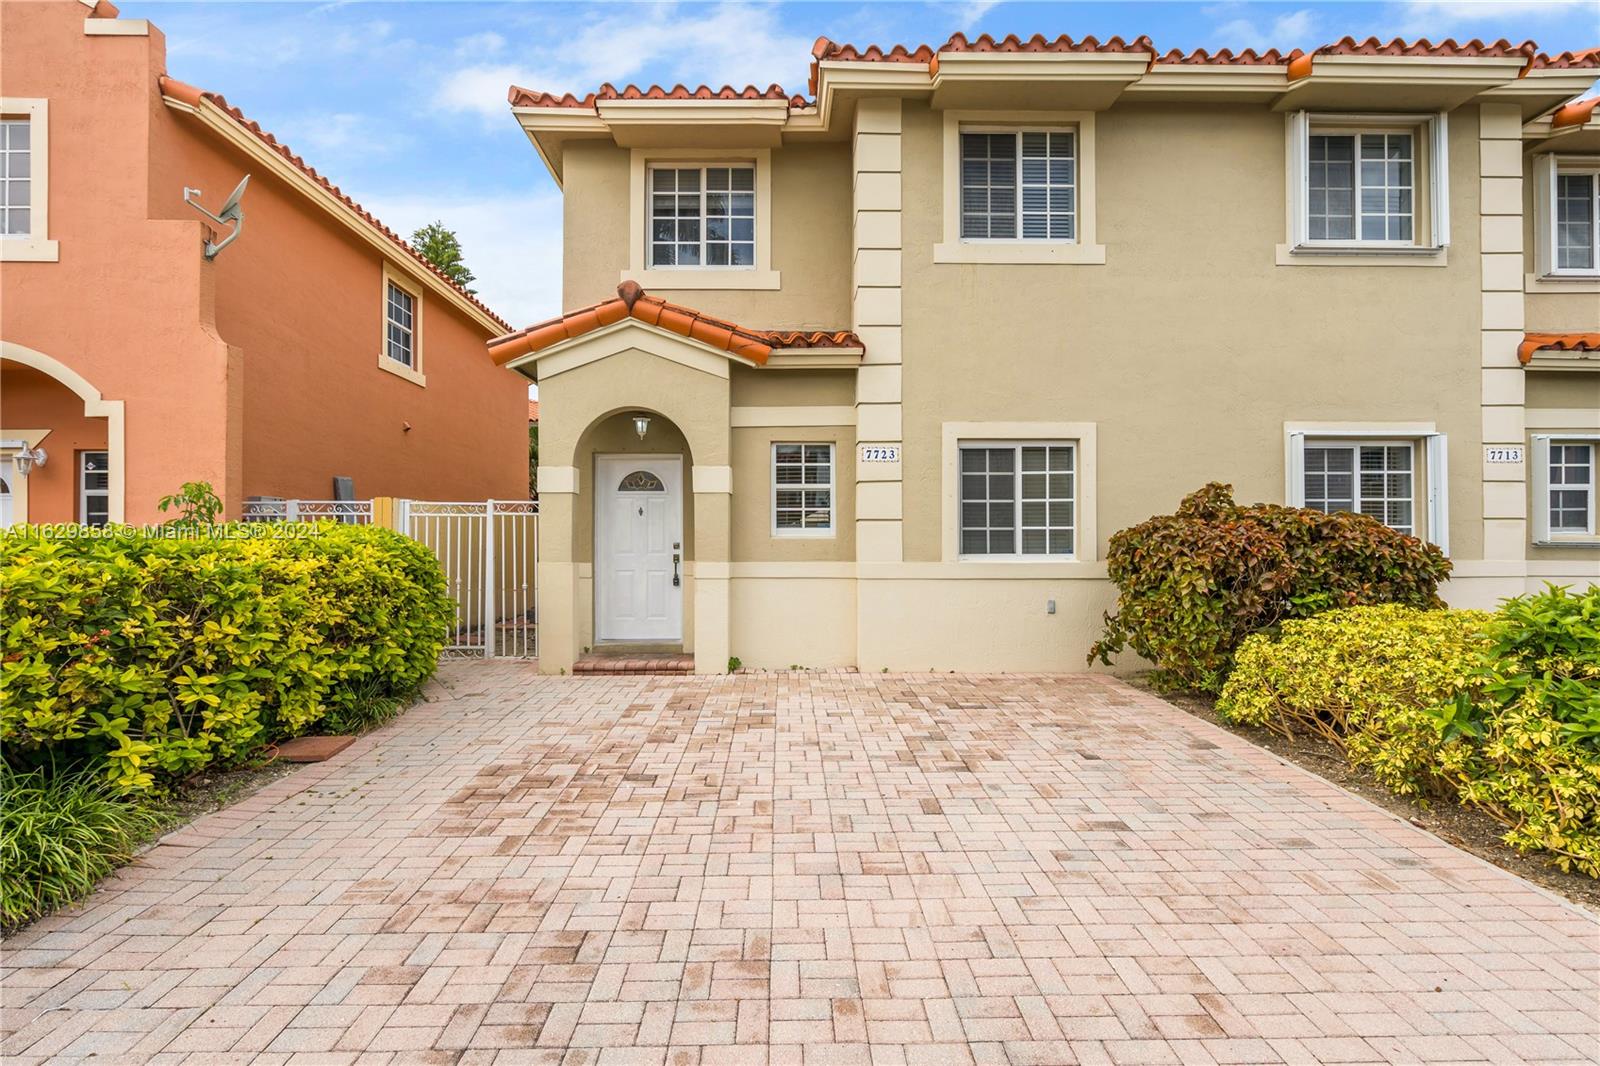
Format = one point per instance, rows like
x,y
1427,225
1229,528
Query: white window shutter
x,y
1438,474
1299,170
1439,179
1544,213
1295,477
1539,476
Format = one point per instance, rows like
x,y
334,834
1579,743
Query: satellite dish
x,y
231,209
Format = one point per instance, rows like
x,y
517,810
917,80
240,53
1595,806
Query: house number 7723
x,y
880,453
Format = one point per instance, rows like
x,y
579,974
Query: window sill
x,y
824,534
1357,255
1018,560
697,278
1044,252
1574,283
29,251
1575,540
400,370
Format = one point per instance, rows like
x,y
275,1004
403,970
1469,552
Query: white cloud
x,y
1436,19
487,43
732,44
969,14
1293,29
511,240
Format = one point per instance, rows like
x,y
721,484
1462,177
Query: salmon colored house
x,y
137,356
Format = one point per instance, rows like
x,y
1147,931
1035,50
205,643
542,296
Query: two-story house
x,y
869,377
138,354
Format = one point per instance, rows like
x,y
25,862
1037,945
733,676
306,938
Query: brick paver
x,y
792,868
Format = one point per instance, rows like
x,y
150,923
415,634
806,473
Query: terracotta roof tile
x,y
1556,342
1445,49
192,96
1040,43
632,302
1586,58
533,410
825,49
1574,114
1226,57
520,97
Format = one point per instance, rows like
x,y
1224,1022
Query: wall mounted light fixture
x,y
641,425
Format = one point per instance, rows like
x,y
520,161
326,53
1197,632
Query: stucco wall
x,y
810,238
30,400
1189,348
123,305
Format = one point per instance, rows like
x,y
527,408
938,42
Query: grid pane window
x,y
802,488
1018,499
1577,231
400,329
1378,480
16,178
1019,184
1572,488
703,216
94,488
1361,186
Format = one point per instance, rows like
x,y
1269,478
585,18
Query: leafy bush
x,y
1192,585
1363,678
144,656
1499,712
1526,732
58,836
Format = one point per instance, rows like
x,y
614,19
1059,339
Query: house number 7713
x,y
1502,455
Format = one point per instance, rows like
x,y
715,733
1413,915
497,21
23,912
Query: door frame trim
x,y
600,490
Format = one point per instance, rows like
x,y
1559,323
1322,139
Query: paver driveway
x,y
820,869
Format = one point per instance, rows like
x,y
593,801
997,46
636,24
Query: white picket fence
x,y
488,550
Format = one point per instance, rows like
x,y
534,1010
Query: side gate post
x,y
489,631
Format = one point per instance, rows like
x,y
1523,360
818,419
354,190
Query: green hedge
x,y
1192,585
1500,712
146,657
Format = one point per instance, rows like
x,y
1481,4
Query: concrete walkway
x,y
793,868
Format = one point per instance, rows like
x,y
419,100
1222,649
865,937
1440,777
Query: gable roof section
x,y
754,345
1556,342
194,100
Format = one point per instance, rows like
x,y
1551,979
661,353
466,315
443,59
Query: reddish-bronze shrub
x,y
1192,585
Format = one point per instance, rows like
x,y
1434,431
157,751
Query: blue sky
x,y
404,104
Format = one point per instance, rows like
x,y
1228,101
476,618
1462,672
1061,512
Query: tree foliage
x,y
442,248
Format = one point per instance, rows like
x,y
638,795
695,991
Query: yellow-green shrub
x,y
144,655
1364,678
1499,712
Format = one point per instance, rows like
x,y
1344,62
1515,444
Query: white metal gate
x,y
488,552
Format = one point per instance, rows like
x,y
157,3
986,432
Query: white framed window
x,y
1368,183
400,346
25,181
1019,188
802,489
1393,472
94,488
703,216
1565,484
1374,478
1019,184
1018,499
400,324
1567,216
700,218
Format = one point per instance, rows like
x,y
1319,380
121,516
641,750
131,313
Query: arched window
x,y
641,481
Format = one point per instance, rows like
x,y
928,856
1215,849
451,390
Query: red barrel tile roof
x,y
520,97
189,94
1226,57
1556,342
632,302
1574,114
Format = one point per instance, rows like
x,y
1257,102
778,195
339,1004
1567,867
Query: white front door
x,y
638,566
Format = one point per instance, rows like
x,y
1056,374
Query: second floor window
x,y
1362,187
400,330
16,178
703,216
1019,184
1577,220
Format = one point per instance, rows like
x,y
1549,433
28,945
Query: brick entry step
x,y
635,659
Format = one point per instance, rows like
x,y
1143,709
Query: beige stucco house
x,y
869,377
